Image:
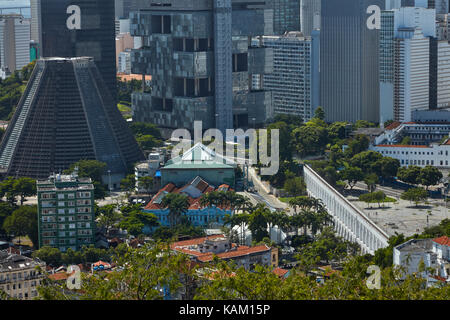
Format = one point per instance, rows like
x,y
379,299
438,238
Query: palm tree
x,y
177,204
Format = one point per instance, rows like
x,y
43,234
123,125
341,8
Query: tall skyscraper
x,y
80,28
286,16
202,60
309,16
14,43
66,114
405,62
296,66
349,41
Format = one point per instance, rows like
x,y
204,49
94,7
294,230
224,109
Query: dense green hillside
x,y
11,90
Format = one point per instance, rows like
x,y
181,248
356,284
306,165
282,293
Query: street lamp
x,y
109,177
254,123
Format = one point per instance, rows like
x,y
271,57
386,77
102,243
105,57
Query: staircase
x,y
13,138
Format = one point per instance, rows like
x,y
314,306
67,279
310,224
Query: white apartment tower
x,y
294,81
411,73
404,61
14,42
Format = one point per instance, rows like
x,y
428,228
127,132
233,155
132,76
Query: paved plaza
x,y
402,216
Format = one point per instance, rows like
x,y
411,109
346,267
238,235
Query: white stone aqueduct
x,y
350,222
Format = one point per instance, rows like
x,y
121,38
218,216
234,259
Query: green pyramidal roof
x,y
199,156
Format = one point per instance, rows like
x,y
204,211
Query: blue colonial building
x,y
199,216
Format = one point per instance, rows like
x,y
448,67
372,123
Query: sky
x,y
15,3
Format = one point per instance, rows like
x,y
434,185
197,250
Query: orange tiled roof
x,y
183,246
239,252
393,125
444,240
439,278
280,271
194,203
98,263
129,77
60,276
195,241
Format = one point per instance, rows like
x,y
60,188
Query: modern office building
x,y
80,28
443,76
202,61
286,16
349,50
296,67
66,114
406,62
66,217
14,43
309,16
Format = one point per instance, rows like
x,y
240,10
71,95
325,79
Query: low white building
x,y
437,155
149,168
435,254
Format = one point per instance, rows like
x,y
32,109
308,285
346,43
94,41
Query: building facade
x,y
293,82
210,216
349,64
286,16
124,63
202,60
199,161
18,275
432,253
437,155
204,249
81,28
309,16
66,114
66,217
406,65
14,43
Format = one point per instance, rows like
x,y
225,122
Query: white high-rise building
x,y
443,74
124,65
411,73
294,81
309,16
14,42
404,61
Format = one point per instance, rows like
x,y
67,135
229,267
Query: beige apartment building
x,y
18,275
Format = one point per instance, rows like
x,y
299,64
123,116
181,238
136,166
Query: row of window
x,y
52,242
46,211
423,162
82,194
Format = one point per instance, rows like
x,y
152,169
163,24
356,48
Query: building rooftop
x,y
11,261
400,146
444,240
192,248
199,156
194,190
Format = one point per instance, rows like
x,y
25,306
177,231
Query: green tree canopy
x,y
23,222
415,195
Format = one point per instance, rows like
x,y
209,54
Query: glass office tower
x,y
80,28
